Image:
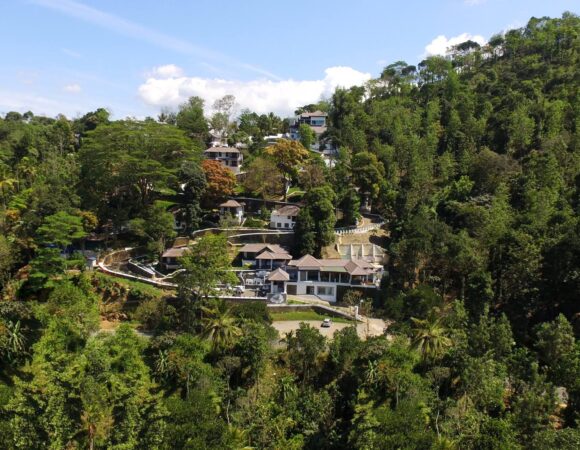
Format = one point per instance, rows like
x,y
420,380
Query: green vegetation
x,y
305,315
472,159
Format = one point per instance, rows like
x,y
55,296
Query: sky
x,y
135,57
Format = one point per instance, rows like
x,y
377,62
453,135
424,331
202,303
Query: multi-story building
x,y
323,277
229,157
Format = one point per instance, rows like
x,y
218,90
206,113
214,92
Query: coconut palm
x,y
430,338
220,328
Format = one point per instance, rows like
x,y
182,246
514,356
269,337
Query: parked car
x,y
326,323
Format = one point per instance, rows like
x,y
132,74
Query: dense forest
x,y
473,161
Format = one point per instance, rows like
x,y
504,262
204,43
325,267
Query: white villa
x,y
322,277
284,217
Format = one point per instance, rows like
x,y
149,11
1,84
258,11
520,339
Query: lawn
x,y
305,315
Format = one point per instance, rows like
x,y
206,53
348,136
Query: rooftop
x,y
275,256
175,252
230,204
222,149
278,275
314,114
288,210
352,266
257,248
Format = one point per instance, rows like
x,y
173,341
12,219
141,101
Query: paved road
x,y
375,327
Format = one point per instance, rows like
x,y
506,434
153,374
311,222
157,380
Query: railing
x,y
358,230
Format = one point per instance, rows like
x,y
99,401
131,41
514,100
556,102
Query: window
x,y
286,225
278,225
289,217
325,290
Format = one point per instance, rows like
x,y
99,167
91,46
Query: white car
x,y
326,323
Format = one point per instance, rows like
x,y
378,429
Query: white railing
x,y
358,230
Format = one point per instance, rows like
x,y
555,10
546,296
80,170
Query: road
x,y
375,327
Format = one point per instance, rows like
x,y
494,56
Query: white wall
x,y
280,221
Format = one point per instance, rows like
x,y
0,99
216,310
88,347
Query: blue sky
x,y
135,57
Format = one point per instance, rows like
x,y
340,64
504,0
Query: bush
x,y
252,222
253,311
155,315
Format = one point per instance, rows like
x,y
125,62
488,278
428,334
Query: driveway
x,y
375,327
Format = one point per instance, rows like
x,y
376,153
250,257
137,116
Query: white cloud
x,y
166,71
73,88
474,2
261,96
441,44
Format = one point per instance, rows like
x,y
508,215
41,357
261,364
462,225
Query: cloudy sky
x,y
135,57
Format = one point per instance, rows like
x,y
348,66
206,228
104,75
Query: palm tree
x,y
220,328
6,186
431,337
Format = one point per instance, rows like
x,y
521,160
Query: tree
x,y
192,178
289,157
430,338
61,229
307,135
206,264
221,119
316,220
156,226
190,119
220,328
220,182
367,173
304,347
124,165
263,178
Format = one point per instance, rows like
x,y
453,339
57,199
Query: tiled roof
x,y
230,204
274,256
256,248
278,275
288,210
353,266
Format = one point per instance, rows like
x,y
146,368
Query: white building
x,y
323,277
229,157
234,208
284,217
